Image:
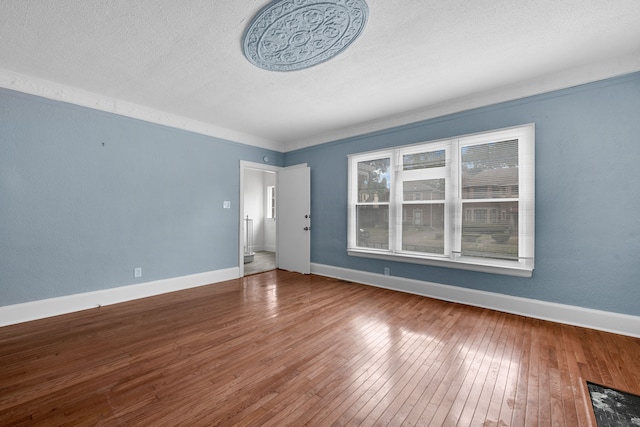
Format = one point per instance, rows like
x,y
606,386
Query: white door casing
x,y
293,202
244,166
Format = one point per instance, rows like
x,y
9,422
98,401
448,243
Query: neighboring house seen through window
x,y
465,202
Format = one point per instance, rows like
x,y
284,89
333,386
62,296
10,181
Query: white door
x,y
294,219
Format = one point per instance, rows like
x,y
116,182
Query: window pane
x,y
271,202
423,228
490,171
425,189
490,230
374,181
372,226
430,159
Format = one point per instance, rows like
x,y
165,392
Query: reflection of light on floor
x,y
393,356
255,289
443,363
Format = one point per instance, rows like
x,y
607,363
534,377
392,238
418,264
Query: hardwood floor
x,y
279,348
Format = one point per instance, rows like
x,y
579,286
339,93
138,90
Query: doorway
x,y
291,227
258,234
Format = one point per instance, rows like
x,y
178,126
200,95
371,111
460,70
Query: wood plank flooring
x,y
279,348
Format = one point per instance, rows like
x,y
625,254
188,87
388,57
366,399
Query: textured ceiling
x,y
181,63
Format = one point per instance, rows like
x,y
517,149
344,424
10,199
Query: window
x,y
464,202
271,202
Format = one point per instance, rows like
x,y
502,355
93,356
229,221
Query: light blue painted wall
x,y
587,195
77,216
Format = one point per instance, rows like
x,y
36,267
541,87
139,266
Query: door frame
x,y
245,165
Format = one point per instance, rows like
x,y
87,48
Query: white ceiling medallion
x,y
288,35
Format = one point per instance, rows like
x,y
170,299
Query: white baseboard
x,y
578,316
33,310
623,324
264,248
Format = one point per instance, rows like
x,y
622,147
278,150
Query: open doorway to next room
x,y
259,221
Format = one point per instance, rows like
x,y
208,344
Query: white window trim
x,y
522,267
270,203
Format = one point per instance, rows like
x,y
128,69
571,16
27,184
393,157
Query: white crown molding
x,y
617,323
59,92
536,86
33,310
610,68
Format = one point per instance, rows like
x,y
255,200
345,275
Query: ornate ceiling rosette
x,y
289,35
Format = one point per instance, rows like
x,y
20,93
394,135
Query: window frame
x,y
271,202
453,208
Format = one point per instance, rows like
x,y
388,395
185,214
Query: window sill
x,y
509,268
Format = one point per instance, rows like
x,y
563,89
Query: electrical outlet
x,y
386,271
137,272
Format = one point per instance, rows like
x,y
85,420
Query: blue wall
x,y
78,216
587,195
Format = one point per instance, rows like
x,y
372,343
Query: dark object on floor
x,y
614,408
